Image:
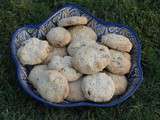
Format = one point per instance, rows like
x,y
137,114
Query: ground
x,y
142,15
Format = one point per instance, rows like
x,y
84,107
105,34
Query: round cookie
x,y
98,87
82,32
75,45
54,87
64,66
75,93
56,52
58,37
34,51
74,20
120,64
120,83
118,42
36,73
91,59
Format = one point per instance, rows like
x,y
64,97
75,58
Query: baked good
x,y
91,59
73,20
33,51
117,42
120,83
61,51
82,32
36,73
54,87
64,66
58,37
75,93
120,64
75,45
98,87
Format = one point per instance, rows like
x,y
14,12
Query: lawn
x,y
142,15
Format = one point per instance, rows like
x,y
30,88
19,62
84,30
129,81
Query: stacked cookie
x,y
71,65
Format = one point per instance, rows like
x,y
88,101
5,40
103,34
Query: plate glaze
x,y
135,77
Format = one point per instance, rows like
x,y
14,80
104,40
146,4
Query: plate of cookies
x,y
75,59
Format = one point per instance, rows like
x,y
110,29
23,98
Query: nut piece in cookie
x,y
58,37
75,45
75,93
117,42
91,59
120,83
82,32
74,20
98,87
36,74
54,87
34,51
120,62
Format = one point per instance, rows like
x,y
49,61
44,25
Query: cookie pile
x,y
71,65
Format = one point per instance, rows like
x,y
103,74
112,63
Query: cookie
x,y
91,59
82,32
120,83
120,64
75,93
75,45
34,51
36,73
54,87
64,66
70,73
74,20
56,63
56,52
98,87
58,37
117,42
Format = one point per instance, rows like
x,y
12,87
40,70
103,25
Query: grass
x,y
142,15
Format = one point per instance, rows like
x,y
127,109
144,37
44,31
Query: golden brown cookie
x,y
74,20
58,37
120,64
117,42
82,32
120,83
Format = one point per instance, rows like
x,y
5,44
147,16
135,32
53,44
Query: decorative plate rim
x,y
76,104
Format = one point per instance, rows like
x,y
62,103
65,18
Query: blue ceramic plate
x,y
135,76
